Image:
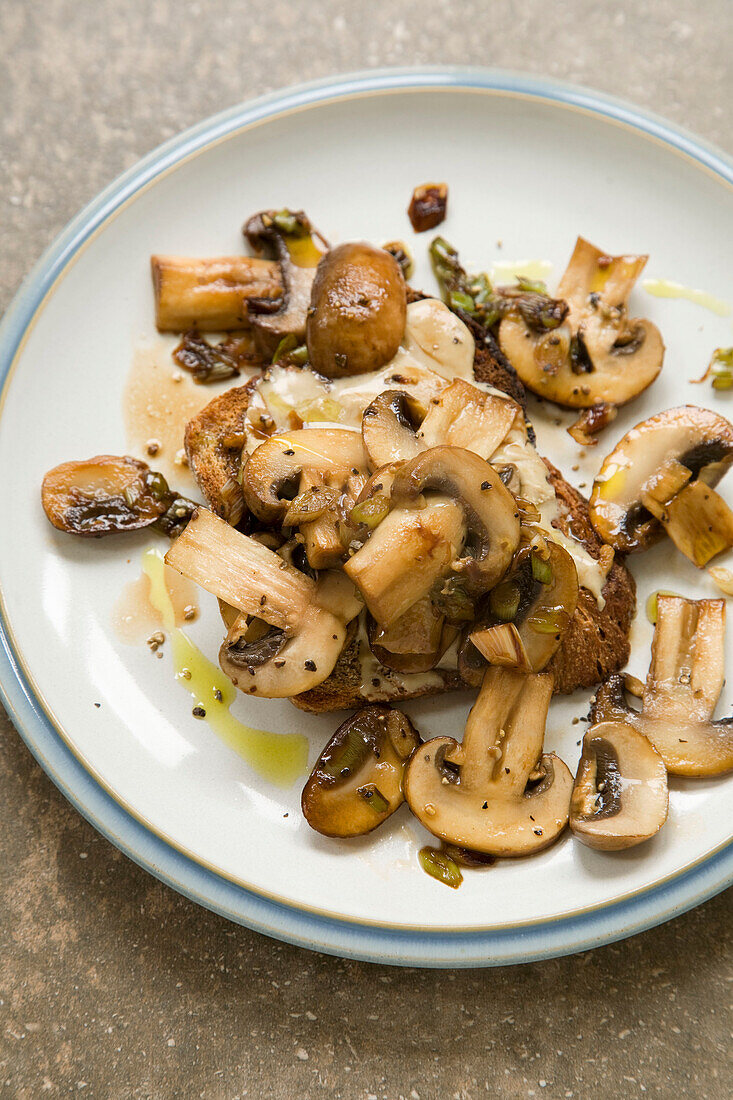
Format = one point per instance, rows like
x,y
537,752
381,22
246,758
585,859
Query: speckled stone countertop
x,y
113,986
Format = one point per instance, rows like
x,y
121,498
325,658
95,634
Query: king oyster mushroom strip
x,y
682,689
287,637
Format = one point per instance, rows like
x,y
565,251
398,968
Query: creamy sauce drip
x,y
281,758
665,288
380,683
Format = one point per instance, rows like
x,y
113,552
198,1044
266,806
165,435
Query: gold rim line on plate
x,y
276,116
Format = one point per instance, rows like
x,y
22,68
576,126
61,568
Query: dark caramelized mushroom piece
x,y
356,783
358,310
109,494
428,206
288,237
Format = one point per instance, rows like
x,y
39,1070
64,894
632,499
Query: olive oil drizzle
x,y
280,758
665,288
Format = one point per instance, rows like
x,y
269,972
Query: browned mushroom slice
x,y
389,425
413,643
697,441
356,783
620,796
212,295
465,416
682,690
304,638
428,206
527,614
289,238
406,553
110,494
597,355
358,310
698,521
496,792
492,519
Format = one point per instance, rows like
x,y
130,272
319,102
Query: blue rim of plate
x,y
349,939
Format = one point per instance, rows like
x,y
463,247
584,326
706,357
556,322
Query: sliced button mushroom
x,y
465,416
496,792
597,355
289,238
620,794
389,427
356,783
109,494
405,555
530,611
492,519
651,459
358,310
300,642
413,643
682,689
273,472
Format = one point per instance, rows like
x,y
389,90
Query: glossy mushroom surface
x,y
357,781
620,796
682,689
496,792
597,355
358,310
699,441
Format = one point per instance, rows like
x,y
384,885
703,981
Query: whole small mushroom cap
x,y
358,310
620,796
496,792
699,441
356,783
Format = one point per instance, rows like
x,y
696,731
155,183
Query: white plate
x,y
528,164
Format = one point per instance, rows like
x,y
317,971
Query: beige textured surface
x,y
113,986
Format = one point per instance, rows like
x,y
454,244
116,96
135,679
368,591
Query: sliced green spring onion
x,y
439,865
534,286
374,798
550,620
459,299
346,757
371,511
541,569
504,600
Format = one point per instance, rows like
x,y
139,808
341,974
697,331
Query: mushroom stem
x,y
211,295
688,661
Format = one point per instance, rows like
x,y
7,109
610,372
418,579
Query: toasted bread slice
x,y
595,644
